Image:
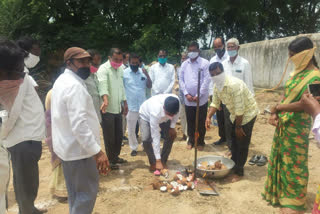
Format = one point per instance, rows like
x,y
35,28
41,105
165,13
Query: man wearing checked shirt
x,y
135,81
239,100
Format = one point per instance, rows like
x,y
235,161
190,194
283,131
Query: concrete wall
x,y
268,59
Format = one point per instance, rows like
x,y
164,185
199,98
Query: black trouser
x,y
112,135
240,147
137,129
191,123
227,126
220,119
25,157
147,141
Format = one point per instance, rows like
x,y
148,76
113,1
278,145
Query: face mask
x,y
220,52
219,81
302,59
232,53
31,61
162,60
83,73
115,65
134,67
193,55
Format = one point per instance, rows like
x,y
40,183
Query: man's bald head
x,y
218,43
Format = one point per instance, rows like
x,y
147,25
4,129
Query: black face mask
x,y
134,67
220,52
83,73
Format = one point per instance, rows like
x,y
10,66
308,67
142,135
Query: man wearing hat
x,y
160,112
76,132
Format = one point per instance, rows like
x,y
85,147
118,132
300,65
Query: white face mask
x,y
31,61
193,55
219,80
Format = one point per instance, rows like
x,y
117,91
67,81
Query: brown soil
x,y
128,191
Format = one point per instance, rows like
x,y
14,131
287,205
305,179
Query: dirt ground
x,y
127,191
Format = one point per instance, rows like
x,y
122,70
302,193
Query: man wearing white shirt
x,y
32,55
162,75
221,55
76,132
236,65
159,112
23,130
239,67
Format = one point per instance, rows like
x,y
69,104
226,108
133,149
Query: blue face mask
x,y
162,60
232,53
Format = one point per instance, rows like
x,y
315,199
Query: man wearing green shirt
x,y
111,89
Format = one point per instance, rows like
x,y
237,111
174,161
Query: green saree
x,y
287,178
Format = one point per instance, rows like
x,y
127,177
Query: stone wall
x,y
268,59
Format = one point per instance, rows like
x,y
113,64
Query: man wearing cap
x,y
160,112
76,132
111,89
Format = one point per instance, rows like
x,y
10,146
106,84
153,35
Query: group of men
x,y
88,96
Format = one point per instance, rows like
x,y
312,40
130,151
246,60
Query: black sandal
x,y
262,161
254,160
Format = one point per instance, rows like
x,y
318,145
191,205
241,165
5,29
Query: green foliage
x,y
145,26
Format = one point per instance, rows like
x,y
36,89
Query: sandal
x,y
254,160
262,160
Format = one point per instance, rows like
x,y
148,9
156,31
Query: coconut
x,y
163,189
175,191
181,188
175,177
190,185
169,187
174,184
156,185
184,181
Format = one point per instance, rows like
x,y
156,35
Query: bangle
x,y
238,127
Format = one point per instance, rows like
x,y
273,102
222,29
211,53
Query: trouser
x,y
82,181
25,157
191,119
240,147
227,126
137,129
132,119
147,141
183,119
124,124
4,177
112,135
220,119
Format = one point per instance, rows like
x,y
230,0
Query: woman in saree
x,y
287,177
57,182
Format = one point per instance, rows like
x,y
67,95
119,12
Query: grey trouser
x,y
82,181
147,141
25,157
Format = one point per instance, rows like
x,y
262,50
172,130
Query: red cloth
x,y
8,91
